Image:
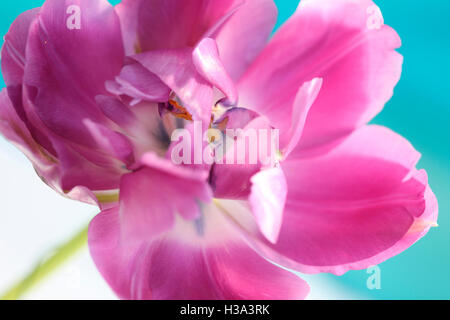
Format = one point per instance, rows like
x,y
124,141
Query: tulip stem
x,y
46,266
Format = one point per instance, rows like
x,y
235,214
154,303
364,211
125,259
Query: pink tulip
x,y
93,106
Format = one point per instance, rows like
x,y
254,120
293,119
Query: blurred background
x,y
34,220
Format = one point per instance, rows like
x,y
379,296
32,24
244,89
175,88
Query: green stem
x,y
47,266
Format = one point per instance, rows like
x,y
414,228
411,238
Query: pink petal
x,y
151,196
207,61
81,167
267,199
354,207
231,179
116,111
137,82
127,10
13,129
170,24
304,100
328,39
13,51
13,65
112,142
62,87
100,29
176,69
209,262
83,194
47,167
254,20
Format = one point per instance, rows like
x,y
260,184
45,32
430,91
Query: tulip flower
x,y
95,92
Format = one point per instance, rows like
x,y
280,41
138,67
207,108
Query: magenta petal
x,y
171,24
304,100
116,111
176,69
48,168
13,65
207,61
82,167
158,24
255,20
182,264
267,200
151,197
328,39
99,29
354,207
114,143
137,82
85,195
127,10
231,179
14,129
62,87
13,51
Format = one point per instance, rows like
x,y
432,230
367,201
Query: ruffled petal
x,y
128,11
177,70
96,45
206,260
13,51
335,40
208,63
354,207
152,195
138,83
13,129
13,67
292,132
116,111
82,167
172,24
62,87
267,200
245,34
47,167
231,179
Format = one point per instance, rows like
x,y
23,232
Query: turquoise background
x,y
420,111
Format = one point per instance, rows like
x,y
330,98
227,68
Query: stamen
x,y
222,125
179,111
